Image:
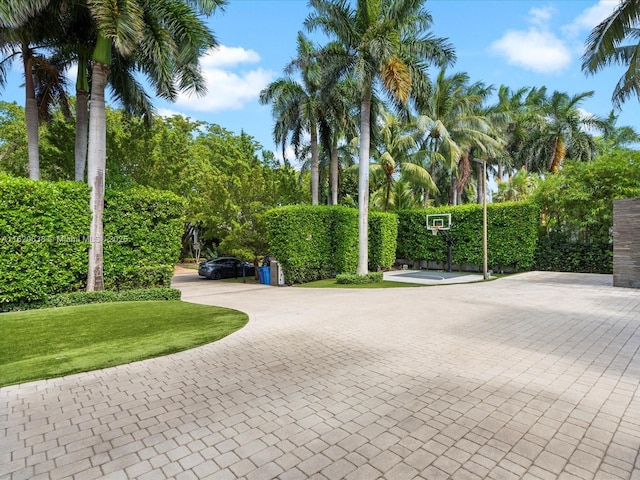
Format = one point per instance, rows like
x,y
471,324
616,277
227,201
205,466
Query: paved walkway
x,y
534,376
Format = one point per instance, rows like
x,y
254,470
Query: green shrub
x,y
558,252
143,232
512,229
316,242
383,235
82,298
44,228
354,279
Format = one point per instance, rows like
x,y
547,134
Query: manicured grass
x,y
53,342
332,283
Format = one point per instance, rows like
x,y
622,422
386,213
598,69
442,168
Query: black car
x,y
225,267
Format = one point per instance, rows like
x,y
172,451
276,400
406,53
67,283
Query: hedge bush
x,y
44,227
145,227
316,242
512,229
558,252
355,279
83,298
383,235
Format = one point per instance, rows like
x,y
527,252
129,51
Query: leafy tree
x,y
578,199
560,132
14,154
381,44
615,42
297,107
520,186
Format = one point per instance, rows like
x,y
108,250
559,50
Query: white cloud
x,y
536,50
590,17
229,86
167,113
223,56
541,15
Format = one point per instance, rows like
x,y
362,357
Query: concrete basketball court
x,y
534,376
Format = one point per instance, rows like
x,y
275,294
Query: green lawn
x,y
332,283
53,342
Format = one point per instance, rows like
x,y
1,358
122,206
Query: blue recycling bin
x,y
264,275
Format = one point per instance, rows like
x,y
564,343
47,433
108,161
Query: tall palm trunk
x,y
315,170
363,183
453,194
558,153
97,161
31,115
334,170
82,120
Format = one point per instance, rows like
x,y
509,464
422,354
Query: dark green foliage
x,y
43,239
383,235
577,211
313,243
354,279
559,253
143,229
511,233
43,228
83,298
302,239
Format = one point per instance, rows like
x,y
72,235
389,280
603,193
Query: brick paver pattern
x,y
534,376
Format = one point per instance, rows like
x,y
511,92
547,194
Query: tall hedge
x,y
318,242
44,228
143,230
512,229
383,235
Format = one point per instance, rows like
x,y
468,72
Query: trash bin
x,y
264,275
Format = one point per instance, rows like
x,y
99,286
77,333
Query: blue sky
x,y
513,42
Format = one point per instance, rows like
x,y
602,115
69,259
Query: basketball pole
x,y
485,259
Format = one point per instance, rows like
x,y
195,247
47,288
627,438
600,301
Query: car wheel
x,y
215,275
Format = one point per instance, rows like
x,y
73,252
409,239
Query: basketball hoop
x,y
434,229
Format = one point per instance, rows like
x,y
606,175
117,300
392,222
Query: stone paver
x,y
531,376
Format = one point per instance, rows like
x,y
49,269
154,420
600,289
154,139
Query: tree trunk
x,y
334,170
82,126
96,173
315,175
480,193
82,118
453,195
363,184
31,115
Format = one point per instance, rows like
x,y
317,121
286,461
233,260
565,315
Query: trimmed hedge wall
x,y
558,252
316,242
143,230
44,227
512,232
383,236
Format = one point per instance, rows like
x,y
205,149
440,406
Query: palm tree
x,y
397,156
24,28
617,137
456,125
297,108
519,187
562,131
615,42
170,36
382,44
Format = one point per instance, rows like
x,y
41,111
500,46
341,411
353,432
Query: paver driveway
x,y
532,376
